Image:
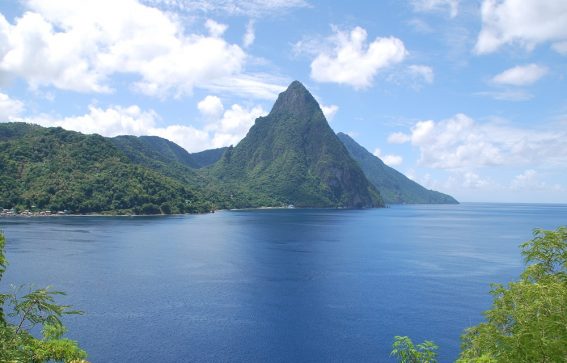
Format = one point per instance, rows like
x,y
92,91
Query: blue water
x,y
274,285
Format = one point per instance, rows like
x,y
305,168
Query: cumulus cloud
x,y
530,180
215,29
525,23
527,180
521,75
351,60
460,142
111,121
389,159
437,5
249,35
9,108
329,111
233,125
78,46
222,128
472,180
456,181
210,107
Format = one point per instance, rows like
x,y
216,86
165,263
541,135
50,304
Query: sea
x,y
285,285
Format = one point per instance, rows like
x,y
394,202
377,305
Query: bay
x,y
274,285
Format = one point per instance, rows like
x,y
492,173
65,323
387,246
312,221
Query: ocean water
x,y
274,285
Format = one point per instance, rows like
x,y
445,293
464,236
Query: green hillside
x,y
394,187
208,157
55,169
150,149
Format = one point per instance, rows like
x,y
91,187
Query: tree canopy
x,y
528,318
22,312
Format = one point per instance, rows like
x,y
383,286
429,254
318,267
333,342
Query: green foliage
x,y
157,154
208,157
528,319
394,187
292,156
53,169
35,308
404,349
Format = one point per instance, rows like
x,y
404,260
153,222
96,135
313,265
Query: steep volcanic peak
x,y
292,156
297,102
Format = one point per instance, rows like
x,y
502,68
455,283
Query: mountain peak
x,y
296,101
292,156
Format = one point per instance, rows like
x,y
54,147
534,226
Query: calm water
x,y
274,285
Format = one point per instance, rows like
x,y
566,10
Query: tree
x,y
528,319
34,308
404,349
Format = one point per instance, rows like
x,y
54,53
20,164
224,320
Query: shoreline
x,y
44,215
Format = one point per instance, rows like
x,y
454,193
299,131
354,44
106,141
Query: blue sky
x,y
465,97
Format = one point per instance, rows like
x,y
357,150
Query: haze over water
x,y
275,285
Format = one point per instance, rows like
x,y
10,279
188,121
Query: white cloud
x,y
112,121
514,95
389,159
234,124
398,138
33,50
560,47
460,142
329,111
473,181
228,128
392,160
211,107
251,8
78,46
421,71
414,76
249,36
215,29
455,182
188,137
437,5
420,26
530,181
264,86
354,61
527,180
525,23
9,107
521,75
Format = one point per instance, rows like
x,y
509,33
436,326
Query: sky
x,y
465,97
